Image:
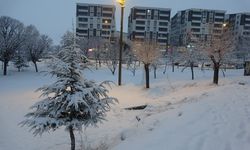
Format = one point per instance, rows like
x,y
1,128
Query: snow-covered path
x,y
212,118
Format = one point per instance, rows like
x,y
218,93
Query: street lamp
x,y
122,4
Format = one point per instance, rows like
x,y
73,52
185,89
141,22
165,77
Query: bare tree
x,y
146,52
132,63
192,57
217,48
155,66
97,46
36,44
111,56
11,38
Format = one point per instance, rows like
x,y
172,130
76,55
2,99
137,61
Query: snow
x,y
181,115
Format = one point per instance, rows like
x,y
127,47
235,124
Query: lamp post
x,y
122,4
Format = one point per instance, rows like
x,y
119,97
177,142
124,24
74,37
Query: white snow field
x,y
181,114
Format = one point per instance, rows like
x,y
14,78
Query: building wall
x,y
240,23
94,20
149,23
200,23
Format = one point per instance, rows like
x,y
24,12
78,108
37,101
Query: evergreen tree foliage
x,y
71,101
19,62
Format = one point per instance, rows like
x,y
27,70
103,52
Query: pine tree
x,y
19,62
71,101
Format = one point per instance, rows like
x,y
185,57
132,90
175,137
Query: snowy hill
x,y
181,114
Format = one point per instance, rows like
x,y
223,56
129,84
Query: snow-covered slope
x,y
181,114
209,118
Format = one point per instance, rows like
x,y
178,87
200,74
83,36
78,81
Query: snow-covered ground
x,y
181,114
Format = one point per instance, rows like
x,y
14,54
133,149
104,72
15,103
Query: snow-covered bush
x,y
71,101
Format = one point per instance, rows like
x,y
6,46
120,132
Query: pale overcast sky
x,y
54,17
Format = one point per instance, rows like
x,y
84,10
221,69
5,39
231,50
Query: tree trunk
x,y
5,65
165,69
146,67
192,70
155,72
172,66
35,66
216,73
100,64
72,137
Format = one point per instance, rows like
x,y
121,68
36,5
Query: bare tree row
x,y
19,43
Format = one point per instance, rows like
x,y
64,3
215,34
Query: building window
x,y
246,27
106,15
218,25
91,26
83,19
196,18
82,13
155,23
106,26
195,24
195,30
163,29
140,22
139,33
139,28
163,23
82,7
106,21
219,19
162,41
140,16
81,31
81,25
164,12
91,9
107,9
164,18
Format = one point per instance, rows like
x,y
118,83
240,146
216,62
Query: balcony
x,y
196,15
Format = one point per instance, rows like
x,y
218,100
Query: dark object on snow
x,y
247,68
138,118
242,83
136,107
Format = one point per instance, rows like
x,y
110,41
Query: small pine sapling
x,y
19,62
71,101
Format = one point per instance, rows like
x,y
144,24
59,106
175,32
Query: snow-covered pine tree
x,y
71,101
19,62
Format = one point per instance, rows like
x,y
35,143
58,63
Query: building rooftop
x,y
93,4
201,9
144,7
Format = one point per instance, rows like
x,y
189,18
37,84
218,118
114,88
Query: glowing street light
x,y
122,4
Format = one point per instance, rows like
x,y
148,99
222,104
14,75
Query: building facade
x,y
95,20
200,23
149,23
240,23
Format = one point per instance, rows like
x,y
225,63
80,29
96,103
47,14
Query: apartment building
x,y
95,20
200,23
149,23
240,23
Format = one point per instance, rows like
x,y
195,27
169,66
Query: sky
x,y
55,17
